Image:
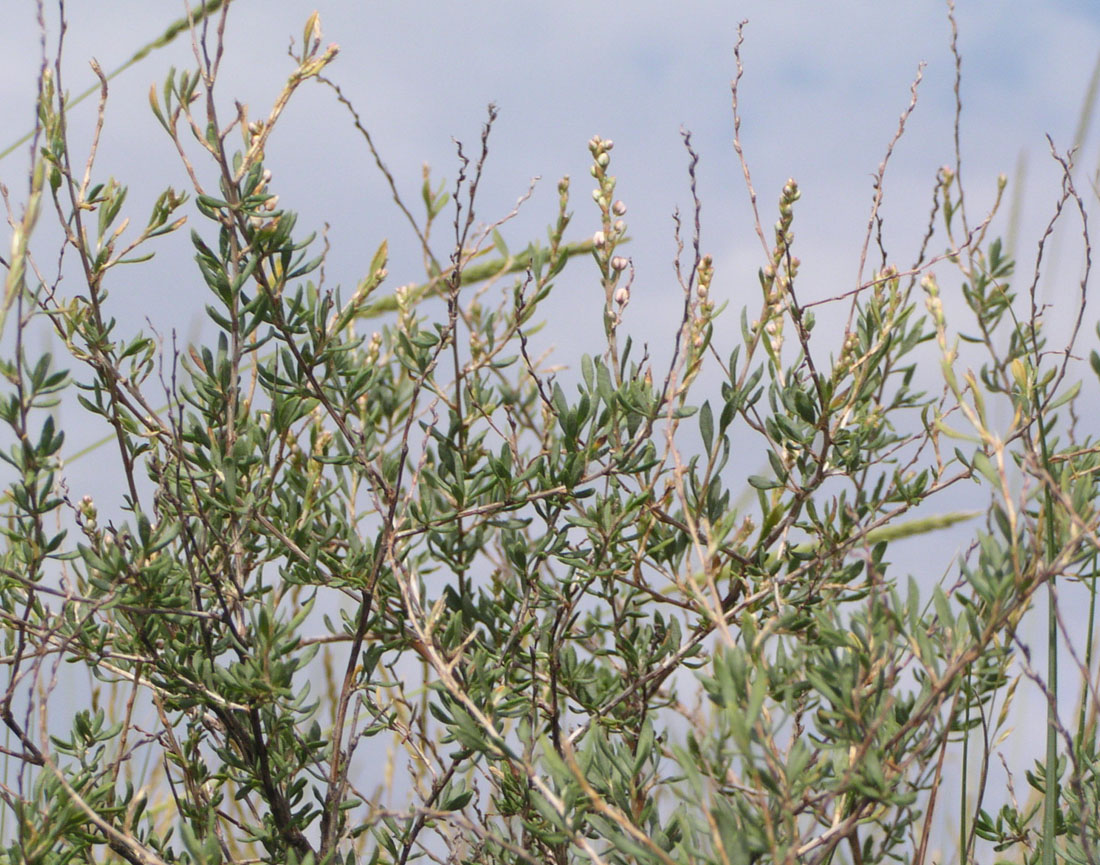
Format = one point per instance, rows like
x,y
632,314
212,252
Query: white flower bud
x,y
619,209
622,295
599,239
619,263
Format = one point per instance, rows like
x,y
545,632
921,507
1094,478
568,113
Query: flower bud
x,y
619,263
619,209
599,239
88,511
622,295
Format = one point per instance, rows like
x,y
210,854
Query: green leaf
x,y
706,426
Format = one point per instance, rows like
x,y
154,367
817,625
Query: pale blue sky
x,y
823,87
824,84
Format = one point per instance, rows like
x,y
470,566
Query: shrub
x,y
378,595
